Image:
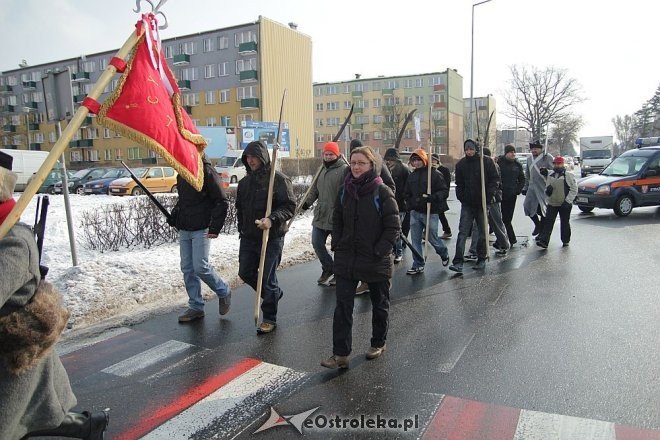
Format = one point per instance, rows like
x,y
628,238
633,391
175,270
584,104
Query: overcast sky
x,y
610,47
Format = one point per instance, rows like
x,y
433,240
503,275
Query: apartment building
x,y
520,139
482,109
380,107
228,77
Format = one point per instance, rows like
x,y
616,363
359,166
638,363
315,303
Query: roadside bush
x,y
140,223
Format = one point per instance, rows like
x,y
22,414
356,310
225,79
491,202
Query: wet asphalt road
x,y
572,331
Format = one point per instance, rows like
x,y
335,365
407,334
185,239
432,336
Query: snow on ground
x,y
131,284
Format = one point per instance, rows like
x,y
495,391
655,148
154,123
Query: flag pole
x,y
429,167
61,144
269,206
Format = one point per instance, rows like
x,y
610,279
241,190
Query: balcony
x,y
247,48
248,76
439,87
356,94
31,105
357,126
6,89
387,92
82,143
29,85
358,110
250,103
35,146
188,109
33,126
87,121
388,142
439,104
80,76
7,109
9,128
79,98
388,108
184,84
181,60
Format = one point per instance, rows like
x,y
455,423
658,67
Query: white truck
x,y
595,154
230,167
25,164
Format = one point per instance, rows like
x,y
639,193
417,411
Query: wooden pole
x,y
61,144
429,168
269,206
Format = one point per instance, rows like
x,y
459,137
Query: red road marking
x,y
624,432
460,419
151,418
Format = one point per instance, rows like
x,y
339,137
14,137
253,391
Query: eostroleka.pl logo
x,y
324,422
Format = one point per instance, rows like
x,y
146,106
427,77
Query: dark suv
x,y
632,179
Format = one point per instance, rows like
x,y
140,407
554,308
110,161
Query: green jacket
x,y
325,193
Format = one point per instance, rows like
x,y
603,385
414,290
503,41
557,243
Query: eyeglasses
x,y
360,164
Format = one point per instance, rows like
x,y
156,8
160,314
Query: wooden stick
x,y
59,147
269,206
429,163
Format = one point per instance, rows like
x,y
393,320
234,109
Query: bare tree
x,y
626,131
539,97
393,117
565,133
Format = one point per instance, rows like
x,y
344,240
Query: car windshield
x,y
625,166
118,172
80,174
226,161
139,172
596,154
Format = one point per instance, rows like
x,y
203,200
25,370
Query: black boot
x,y
85,426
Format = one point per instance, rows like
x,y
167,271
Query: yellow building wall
x,y
286,63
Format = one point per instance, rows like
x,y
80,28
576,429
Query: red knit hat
x,y
558,160
332,147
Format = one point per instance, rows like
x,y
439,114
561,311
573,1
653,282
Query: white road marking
x,y
543,426
147,358
447,367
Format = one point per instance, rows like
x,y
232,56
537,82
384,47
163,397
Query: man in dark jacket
x,y
468,192
417,198
400,173
446,174
513,181
251,199
199,216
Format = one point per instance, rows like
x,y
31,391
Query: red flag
x,y
146,107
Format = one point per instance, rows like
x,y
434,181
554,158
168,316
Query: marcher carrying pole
x,y
65,138
269,206
429,162
318,172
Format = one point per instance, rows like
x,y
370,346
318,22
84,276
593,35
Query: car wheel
x,y
50,190
233,179
137,191
583,174
80,191
624,205
174,190
585,208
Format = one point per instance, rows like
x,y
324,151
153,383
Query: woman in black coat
x,y
365,226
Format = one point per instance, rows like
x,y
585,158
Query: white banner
x,y
418,128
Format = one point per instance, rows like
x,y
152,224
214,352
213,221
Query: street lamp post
x,y
472,72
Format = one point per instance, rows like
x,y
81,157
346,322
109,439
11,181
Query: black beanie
x,y
471,144
391,154
486,151
509,149
356,143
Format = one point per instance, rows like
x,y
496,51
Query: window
x,y
332,122
38,96
103,63
378,119
89,66
76,156
169,172
333,106
207,44
332,90
223,42
210,122
223,69
225,121
408,84
361,87
134,153
319,137
246,92
155,172
378,135
244,118
249,64
107,154
52,137
191,74
408,134
318,91
168,52
347,105
209,71
115,82
93,156
436,80
362,119
210,97
347,88
408,100
377,102
391,84
318,122
187,48
87,88
319,107
106,133
419,82
362,103
375,86
38,138
244,37
224,95
191,99
118,154
419,100
92,133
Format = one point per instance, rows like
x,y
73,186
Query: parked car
x,y
155,179
632,179
54,176
79,178
102,185
522,158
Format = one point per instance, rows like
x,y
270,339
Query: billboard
x,y
220,139
265,131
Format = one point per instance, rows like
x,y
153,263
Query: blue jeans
x,y
248,267
398,244
319,237
417,224
194,251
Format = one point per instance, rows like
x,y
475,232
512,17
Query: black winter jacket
x,y
252,195
363,236
513,177
207,208
468,181
417,185
446,174
400,173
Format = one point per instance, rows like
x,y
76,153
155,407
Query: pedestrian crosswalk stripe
x,y
147,358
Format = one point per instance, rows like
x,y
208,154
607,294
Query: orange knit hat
x,y
422,155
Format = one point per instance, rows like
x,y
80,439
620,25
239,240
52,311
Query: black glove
x,y
548,190
544,172
171,221
523,192
304,206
